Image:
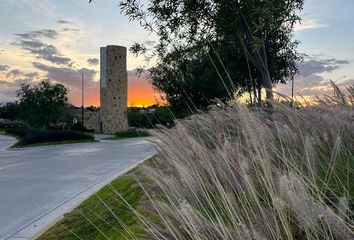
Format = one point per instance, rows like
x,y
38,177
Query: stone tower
x,y
114,89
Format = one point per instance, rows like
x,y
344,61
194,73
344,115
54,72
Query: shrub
x,y
9,110
6,124
17,131
161,116
240,173
39,136
132,134
79,127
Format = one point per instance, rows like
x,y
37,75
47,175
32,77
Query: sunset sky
x,y
56,38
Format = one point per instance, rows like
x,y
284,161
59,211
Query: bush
x,y
39,136
19,131
80,128
9,111
132,134
7,124
161,116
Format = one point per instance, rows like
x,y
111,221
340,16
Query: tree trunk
x,y
249,88
267,83
254,85
259,93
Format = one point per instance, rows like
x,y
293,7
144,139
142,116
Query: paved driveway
x,y
38,185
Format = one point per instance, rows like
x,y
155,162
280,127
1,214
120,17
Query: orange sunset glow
x,y
140,93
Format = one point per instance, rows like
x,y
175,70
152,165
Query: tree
x,y
44,104
9,111
257,32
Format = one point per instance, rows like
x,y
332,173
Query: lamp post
x,y
82,97
292,91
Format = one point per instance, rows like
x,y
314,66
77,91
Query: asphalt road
x,y
38,185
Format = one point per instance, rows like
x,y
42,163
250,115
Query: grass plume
x,y
242,173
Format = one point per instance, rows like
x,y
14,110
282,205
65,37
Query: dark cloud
x,y
317,66
4,68
68,76
14,73
71,30
20,77
29,41
25,80
309,82
8,91
64,22
43,51
32,75
5,84
93,61
72,78
49,33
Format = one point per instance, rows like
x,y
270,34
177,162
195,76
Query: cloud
x,y
93,61
309,81
64,22
14,73
309,24
72,79
68,76
4,68
32,75
44,51
49,33
318,66
71,30
29,41
20,77
8,91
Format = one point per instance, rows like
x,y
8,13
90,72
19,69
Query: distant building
x,y
112,116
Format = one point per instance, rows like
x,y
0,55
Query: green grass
x,y
93,214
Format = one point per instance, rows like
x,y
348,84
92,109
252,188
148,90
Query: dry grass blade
x,y
240,173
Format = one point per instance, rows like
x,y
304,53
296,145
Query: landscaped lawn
x,y
103,214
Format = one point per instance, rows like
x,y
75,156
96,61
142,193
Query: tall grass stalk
x,y
247,173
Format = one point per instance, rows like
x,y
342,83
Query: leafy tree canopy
x,y
43,104
9,110
204,45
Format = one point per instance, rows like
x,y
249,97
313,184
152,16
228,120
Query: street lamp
x,y
292,91
82,97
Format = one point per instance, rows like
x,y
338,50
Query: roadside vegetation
x,y
105,215
243,173
153,116
28,137
131,134
234,173
42,116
